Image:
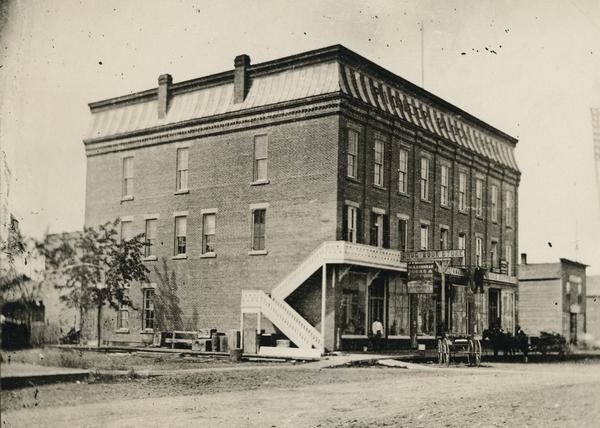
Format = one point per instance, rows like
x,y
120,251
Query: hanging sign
x,y
420,278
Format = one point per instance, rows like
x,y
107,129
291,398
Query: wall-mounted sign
x,y
433,255
420,287
574,309
503,266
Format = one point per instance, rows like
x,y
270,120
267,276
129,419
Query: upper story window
x,y
150,237
182,169
377,229
462,191
425,179
508,255
180,235
494,202
127,177
352,166
508,205
424,236
478,251
444,172
261,149
494,255
209,222
462,242
259,218
443,238
351,224
403,234
479,198
403,171
378,163
126,230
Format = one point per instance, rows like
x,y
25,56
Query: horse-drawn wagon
x,y
451,348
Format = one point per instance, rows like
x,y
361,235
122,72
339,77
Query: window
x,y
351,224
462,241
352,154
150,237
508,206
258,229
403,234
208,233
494,203
403,171
424,236
478,198
462,191
123,317
180,235
126,230
378,168
260,157
509,258
182,169
377,229
444,185
127,177
443,238
353,304
148,309
494,255
478,251
425,179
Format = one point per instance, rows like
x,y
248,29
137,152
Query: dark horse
x,y
506,342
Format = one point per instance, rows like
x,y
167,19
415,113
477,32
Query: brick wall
x,y
301,213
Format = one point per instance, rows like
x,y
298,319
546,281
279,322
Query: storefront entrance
x,y
494,310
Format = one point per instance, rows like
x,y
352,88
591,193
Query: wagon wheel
x,y
477,344
446,351
471,352
440,349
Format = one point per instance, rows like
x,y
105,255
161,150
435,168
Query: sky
x,y
531,69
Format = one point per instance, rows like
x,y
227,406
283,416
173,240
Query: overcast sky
x,y
531,69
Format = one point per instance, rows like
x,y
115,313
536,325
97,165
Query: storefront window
x,y
508,311
459,310
426,315
398,311
480,313
353,304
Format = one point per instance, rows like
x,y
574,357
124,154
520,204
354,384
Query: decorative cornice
x,y
212,126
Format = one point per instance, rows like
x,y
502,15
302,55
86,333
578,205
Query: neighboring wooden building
x,y
552,298
592,306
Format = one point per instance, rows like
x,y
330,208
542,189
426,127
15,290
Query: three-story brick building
x,y
291,188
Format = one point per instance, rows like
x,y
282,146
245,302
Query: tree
x,y
167,312
94,267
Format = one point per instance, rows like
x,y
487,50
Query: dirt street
x,y
566,394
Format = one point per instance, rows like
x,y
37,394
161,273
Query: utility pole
x,y
422,28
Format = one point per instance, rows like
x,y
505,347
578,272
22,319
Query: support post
x,y
323,307
443,297
242,331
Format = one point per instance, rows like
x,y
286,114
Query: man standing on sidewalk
x,y
377,329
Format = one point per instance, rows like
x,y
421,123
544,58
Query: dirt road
x,y
537,395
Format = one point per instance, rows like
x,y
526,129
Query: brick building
x,y
290,189
552,298
592,308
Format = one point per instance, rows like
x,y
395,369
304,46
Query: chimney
x,y
164,87
523,258
241,81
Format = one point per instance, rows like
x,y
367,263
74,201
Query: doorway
x,y
494,309
573,328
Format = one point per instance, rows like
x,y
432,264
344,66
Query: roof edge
x,y
334,52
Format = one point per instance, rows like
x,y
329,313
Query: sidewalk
x,y
15,375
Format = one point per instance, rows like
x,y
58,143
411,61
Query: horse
x,y
506,342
